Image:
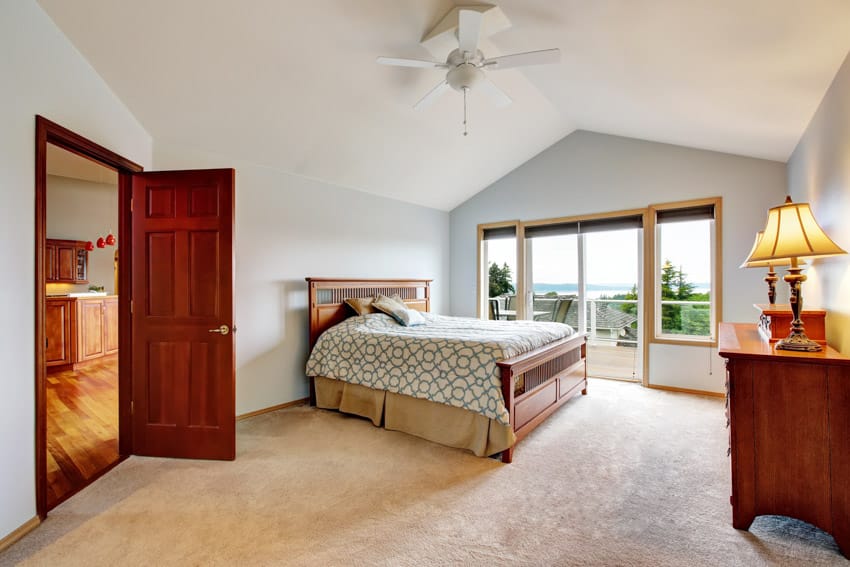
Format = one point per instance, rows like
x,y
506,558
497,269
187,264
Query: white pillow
x,y
409,317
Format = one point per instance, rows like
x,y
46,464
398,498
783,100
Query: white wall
x,y
819,172
289,228
587,173
82,210
43,74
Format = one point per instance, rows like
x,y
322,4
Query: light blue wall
x,y
289,227
819,172
42,73
588,173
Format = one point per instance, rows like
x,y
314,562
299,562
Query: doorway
x,y
176,373
81,381
81,322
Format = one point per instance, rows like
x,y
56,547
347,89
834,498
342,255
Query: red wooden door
x,y
182,313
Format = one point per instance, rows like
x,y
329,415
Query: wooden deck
x,y
605,360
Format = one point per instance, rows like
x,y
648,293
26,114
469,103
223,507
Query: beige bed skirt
x,y
446,425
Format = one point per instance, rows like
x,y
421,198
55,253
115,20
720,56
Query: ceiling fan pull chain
x,y
465,89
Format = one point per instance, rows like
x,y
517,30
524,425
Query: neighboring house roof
x,y
608,316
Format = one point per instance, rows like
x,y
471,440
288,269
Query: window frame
x,y
653,262
483,271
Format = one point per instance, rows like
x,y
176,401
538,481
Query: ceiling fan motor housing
x,y
464,76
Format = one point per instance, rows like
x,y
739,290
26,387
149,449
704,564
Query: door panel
x,y
183,385
110,326
90,323
66,263
57,328
50,263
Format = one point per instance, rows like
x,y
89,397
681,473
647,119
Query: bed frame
x,y
534,384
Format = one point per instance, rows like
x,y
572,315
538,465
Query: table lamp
x,y
771,278
792,233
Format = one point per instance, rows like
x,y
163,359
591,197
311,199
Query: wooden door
x,y
58,318
182,305
90,329
110,325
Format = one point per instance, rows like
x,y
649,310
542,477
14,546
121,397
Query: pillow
x,y
361,305
396,308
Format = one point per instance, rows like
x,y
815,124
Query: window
x,y
685,272
499,270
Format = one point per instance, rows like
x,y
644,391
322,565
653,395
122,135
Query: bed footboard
x,y
547,378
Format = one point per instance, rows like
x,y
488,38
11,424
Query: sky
x,y
612,256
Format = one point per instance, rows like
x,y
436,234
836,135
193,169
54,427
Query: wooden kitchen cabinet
x,y
789,419
66,261
110,325
90,329
59,327
80,329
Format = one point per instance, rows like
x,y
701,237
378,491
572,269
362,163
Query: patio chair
x,y
494,309
559,311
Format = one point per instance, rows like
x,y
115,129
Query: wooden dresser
x,y
789,418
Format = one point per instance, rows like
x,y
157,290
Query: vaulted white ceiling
x,y
294,85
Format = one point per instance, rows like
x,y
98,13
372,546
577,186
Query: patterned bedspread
x,y
450,360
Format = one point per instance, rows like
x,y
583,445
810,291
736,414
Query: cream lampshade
x,y
791,233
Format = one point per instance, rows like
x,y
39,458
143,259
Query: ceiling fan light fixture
x,y
464,76
466,64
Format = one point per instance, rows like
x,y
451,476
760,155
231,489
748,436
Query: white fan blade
x,y
432,96
493,92
521,59
468,29
399,62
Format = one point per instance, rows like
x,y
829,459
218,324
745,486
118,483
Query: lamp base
x,y
799,342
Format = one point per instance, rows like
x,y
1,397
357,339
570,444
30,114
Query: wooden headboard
x,y
327,298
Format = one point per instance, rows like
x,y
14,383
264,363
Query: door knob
x,y
224,330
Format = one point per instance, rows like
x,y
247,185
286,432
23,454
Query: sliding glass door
x,y
587,273
614,315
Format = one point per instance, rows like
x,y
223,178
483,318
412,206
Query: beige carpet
x,y
623,476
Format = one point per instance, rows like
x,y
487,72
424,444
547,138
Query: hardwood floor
x,y
82,427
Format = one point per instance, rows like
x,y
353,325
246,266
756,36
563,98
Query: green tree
x,y
684,288
682,319
500,280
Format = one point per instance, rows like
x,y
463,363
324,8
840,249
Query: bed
x,y
532,384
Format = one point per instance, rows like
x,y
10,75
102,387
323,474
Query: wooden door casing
x,y
182,272
50,133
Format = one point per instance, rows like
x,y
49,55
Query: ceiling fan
x,y
466,65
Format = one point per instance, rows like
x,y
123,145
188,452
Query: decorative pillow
x,y
396,308
361,305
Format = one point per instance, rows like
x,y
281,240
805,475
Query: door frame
x,y
46,132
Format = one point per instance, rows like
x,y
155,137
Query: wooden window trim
x,y
482,273
651,277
